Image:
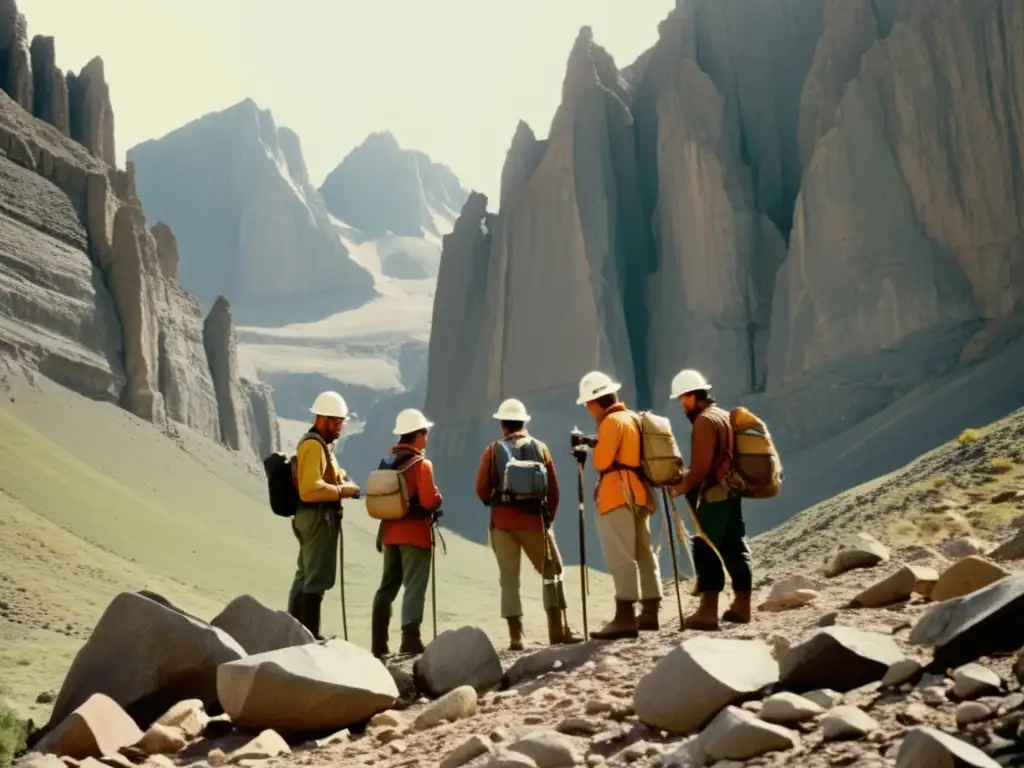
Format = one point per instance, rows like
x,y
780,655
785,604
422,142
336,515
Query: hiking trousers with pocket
x,y
722,522
409,567
317,531
626,543
543,554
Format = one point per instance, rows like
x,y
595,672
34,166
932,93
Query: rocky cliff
x,y
250,226
819,203
89,295
381,188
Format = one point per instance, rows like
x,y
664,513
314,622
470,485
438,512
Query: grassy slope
x,y
956,489
94,501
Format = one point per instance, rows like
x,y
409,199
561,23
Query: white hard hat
x,y
688,380
330,404
410,420
594,385
512,410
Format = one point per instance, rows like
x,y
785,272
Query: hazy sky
x,y
448,77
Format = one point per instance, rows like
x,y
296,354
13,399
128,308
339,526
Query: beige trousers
x,y
626,543
542,552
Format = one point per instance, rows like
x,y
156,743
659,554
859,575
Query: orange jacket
x,y
511,517
618,447
419,480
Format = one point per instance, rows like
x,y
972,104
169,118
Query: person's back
x,y
520,521
617,461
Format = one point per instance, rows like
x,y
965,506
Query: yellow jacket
x,y
317,474
618,447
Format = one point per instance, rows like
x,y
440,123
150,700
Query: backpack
x,y
756,470
387,493
520,478
282,482
660,461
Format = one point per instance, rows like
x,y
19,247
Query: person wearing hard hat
x,y
321,485
523,525
624,505
406,543
718,513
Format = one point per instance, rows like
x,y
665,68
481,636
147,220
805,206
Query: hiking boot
x,y
706,616
515,632
411,642
624,625
739,611
311,614
379,622
648,618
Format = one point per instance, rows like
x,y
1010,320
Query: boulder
x,y
786,708
305,688
51,89
458,704
926,747
145,656
902,672
966,576
699,677
189,715
981,623
259,629
468,750
97,727
266,745
550,749
964,546
973,680
840,658
847,722
736,734
458,657
1011,549
894,588
860,551
161,740
787,601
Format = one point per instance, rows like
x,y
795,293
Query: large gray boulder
x,y
698,678
840,658
305,688
259,629
146,656
458,657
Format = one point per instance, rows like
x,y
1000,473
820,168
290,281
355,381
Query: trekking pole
x,y
433,579
672,547
581,458
341,577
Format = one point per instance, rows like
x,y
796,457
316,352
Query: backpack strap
x,y
312,435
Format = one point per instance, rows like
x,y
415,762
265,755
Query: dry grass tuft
x,y
969,436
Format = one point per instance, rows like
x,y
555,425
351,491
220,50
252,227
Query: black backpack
x,y
281,481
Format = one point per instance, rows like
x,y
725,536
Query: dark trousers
x,y
722,522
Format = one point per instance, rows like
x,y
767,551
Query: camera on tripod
x,y
578,440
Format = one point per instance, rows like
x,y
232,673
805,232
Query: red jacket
x,y
419,480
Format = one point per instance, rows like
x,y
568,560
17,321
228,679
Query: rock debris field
x,y
880,658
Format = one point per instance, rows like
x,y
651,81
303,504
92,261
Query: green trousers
x,y
317,569
723,523
408,567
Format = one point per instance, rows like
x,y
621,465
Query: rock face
x,y
222,353
50,88
803,199
380,188
249,225
89,296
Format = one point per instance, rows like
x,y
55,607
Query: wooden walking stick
x,y
433,580
672,547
